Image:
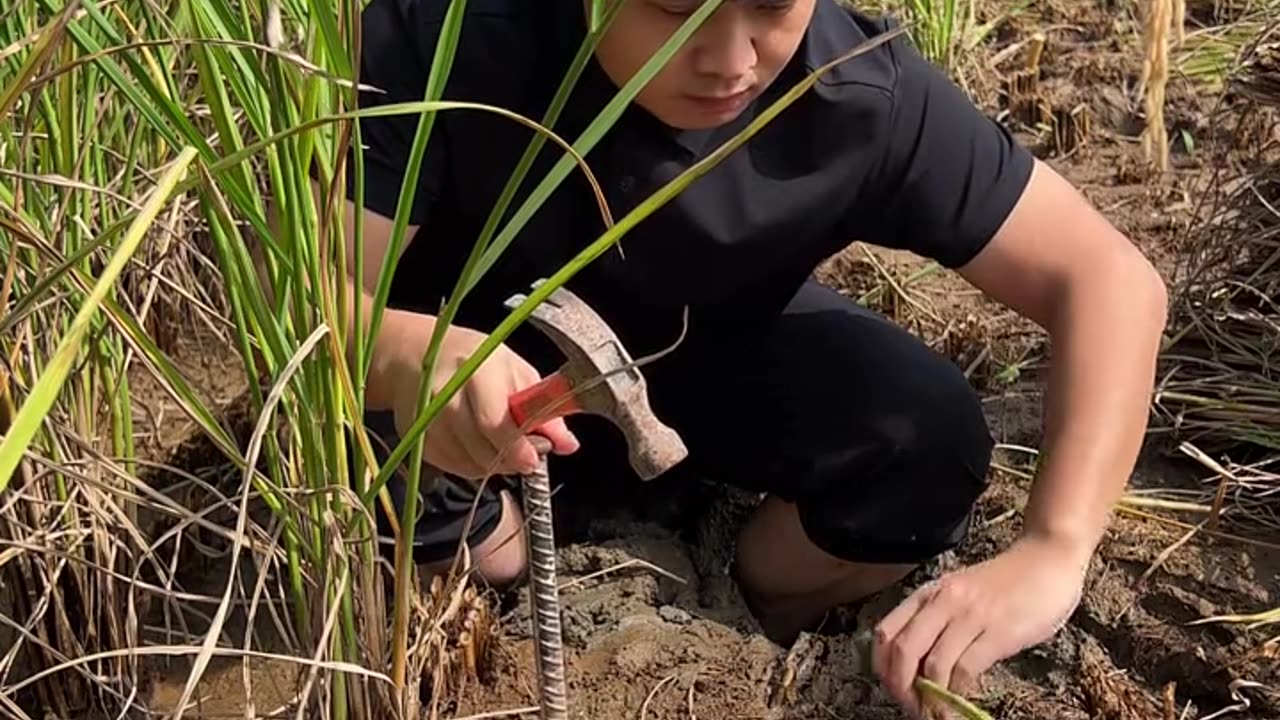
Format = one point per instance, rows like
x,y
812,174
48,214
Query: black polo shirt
x,y
885,149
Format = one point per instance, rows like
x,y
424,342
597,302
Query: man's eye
x,y
686,7
679,9
775,6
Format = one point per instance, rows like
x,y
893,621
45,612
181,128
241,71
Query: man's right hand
x,y
474,436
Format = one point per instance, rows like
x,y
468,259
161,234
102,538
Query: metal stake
x,y
544,590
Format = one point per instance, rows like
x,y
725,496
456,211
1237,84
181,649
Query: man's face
x,y
732,58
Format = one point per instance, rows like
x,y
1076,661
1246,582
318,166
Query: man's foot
x,y
789,583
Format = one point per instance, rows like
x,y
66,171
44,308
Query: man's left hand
x,y
952,630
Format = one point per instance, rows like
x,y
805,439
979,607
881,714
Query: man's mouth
x,y
723,102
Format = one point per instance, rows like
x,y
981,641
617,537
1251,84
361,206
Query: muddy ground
x,y
643,645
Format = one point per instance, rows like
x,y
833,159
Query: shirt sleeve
x,y
949,175
396,50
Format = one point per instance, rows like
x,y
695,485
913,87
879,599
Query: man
x,y
871,448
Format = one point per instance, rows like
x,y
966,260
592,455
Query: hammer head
x,y
604,380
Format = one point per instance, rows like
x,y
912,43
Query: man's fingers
x,y
465,434
563,441
488,404
908,648
555,430
940,662
484,455
981,654
450,453
889,627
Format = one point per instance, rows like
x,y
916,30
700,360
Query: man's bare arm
x,y
392,349
1060,263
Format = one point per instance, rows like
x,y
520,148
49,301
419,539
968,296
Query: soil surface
x,y
643,644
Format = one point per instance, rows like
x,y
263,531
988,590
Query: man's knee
x,y
950,433
904,490
500,560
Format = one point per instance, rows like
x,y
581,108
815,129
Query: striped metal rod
x,y
544,591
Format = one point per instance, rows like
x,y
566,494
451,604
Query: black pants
x,y
880,441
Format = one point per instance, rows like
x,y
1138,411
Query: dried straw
x,y
1158,16
1220,390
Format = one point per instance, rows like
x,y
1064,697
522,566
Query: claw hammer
x,y
597,377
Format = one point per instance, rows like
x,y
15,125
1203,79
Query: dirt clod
x,y
674,615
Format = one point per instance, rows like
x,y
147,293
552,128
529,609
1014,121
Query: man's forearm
x,y
1106,339
392,350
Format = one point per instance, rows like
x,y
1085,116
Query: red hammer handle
x,y
552,392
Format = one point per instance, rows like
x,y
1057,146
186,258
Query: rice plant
x,y
945,31
1221,393
85,221
939,27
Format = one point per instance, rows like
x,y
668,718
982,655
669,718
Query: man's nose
x,y
726,47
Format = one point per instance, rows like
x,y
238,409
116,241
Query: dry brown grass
x,y
1220,389
1158,19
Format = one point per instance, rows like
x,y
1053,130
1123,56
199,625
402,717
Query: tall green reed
x,y
86,221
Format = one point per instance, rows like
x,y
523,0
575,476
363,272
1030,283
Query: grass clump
x,y
1221,388
946,31
92,235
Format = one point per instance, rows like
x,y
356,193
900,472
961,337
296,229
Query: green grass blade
x,y
323,13
34,294
597,16
956,703
47,387
536,143
449,312
40,53
441,66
